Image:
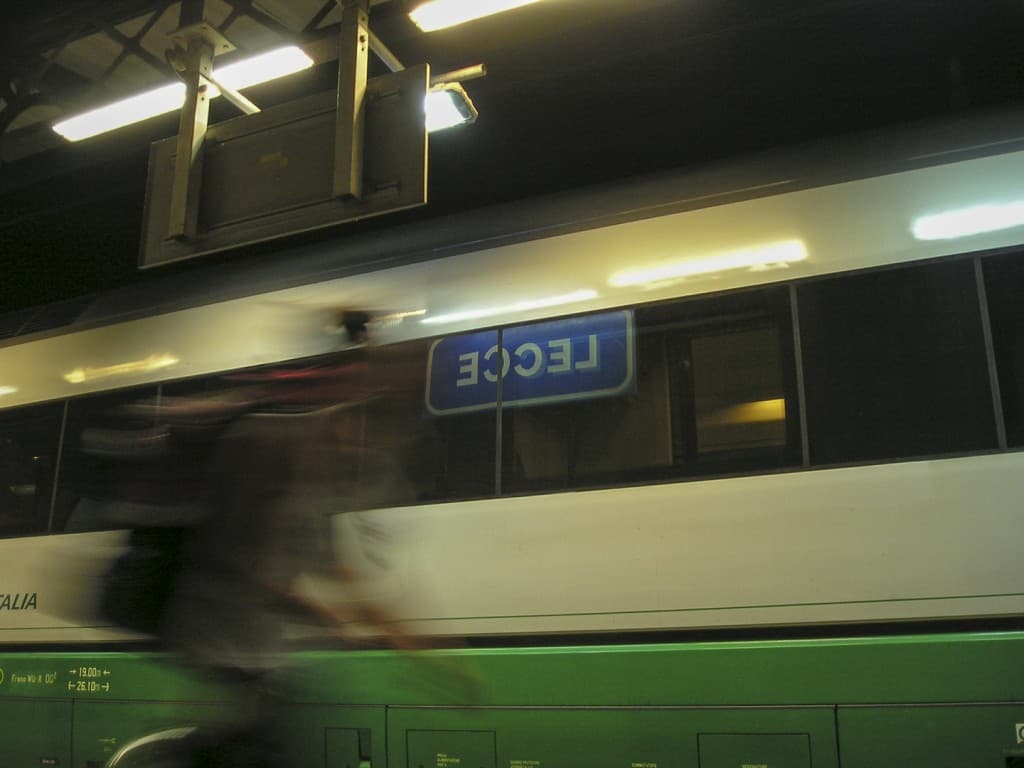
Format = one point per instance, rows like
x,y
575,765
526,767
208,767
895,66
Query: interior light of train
x,y
776,255
447,106
440,14
238,75
964,222
7,390
146,365
520,306
754,412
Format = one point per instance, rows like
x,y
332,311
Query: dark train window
x,y
115,468
691,388
1004,285
458,426
894,364
29,440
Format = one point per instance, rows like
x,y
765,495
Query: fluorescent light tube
x,y
263,68
440,14
134,109
159,101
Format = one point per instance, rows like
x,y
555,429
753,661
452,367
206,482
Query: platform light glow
x,y
520,306
146,365
7,390
779,254
964,222
441,14
159,101
442,108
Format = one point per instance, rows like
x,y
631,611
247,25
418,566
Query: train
x,y
723,468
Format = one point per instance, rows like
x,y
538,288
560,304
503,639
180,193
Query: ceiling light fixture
x,y
440,14
159,101
448,105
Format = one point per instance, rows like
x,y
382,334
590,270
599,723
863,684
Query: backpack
x,y
138,587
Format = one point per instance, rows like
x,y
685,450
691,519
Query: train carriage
x,y
722,468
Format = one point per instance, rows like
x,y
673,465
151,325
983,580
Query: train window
x,y
437,459
894,364
29,440
691,388
114,468
456,418
1004,285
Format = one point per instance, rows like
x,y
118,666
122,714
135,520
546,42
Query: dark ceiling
x,y
578,92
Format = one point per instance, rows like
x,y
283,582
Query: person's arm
x,y
367,612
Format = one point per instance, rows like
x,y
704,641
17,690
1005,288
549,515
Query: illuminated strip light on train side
x,y
7,390
759,257
964,222
521,306
151,363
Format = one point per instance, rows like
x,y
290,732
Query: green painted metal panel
x,y
100,677
544,703
939,668
342,749
103,727
450,749
35,733
754,750
626,737
935,736
334,736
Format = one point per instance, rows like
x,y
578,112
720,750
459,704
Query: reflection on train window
x,y
895,364
710,390
28,451
399,455
739,395
1004,285
445,459
116,470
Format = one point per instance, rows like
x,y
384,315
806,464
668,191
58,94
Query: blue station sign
x,y
550,362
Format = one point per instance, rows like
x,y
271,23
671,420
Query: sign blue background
x,y
549,362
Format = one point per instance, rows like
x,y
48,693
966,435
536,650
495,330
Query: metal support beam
x,y
353,50
134,46
236,98
384,54
191,12
126,50
191,133
319,16
460,75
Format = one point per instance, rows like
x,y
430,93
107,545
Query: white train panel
x,y
846,226
904,541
